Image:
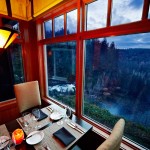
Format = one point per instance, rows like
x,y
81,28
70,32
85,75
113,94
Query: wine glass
x,y
36,115
26,119
68,113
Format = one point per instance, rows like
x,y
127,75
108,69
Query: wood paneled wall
x,y
8,111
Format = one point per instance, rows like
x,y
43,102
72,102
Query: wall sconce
x,y
7,36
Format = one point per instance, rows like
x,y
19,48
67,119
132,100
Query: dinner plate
x,y
2,140
56,116
36,137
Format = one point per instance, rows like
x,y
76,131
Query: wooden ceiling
x,y
26,9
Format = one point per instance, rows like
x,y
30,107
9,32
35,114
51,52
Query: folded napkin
x,y
42,115
64,136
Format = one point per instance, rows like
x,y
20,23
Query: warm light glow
x,y
18,136
4,35
11,39
7,36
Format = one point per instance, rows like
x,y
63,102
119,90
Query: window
x,y
117,83
96,14
72,22
11,71
126,11
17,65
48,29
61,59
59,25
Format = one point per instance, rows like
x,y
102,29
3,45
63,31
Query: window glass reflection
x,y
96,14
59,26
117,83
48,29
61,64
126,11
72,22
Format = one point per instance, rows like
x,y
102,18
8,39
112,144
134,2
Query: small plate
x,y
36,138
3,139
56,116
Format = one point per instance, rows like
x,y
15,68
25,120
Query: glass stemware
x,y
36,115
26,120
68,113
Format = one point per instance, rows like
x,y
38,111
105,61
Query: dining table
x,y
47,133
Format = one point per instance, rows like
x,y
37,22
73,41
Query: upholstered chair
x,y
114,140
27,95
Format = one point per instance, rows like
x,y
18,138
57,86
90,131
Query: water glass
x,y
26,120
68,113
36,115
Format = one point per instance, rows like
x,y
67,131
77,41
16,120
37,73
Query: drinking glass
x,y
68,113
26,120
36,115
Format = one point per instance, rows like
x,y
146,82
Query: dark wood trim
x,y
8,5
32,9
109,12
145,9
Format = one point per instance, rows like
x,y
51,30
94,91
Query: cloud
x,y
141,40
126,11
59,23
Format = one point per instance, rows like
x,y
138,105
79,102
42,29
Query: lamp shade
x,y
7,36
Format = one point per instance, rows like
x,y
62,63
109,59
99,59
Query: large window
x,y
117,83
11,71
96,14
61,59
17,63
126,11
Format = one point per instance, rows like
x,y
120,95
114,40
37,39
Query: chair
x,y
114,140
27,95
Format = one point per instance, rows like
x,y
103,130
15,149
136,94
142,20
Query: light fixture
x,y
7,36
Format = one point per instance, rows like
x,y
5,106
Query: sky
x,y
123,11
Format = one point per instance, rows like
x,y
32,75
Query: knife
x,y
32,135
45,126
69,124
77,127
50,109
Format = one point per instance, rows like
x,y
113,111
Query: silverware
x,y
5,141
45,126
32,135
69,124
50,109
77,127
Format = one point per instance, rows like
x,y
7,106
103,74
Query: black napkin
x,y
64,136
42,115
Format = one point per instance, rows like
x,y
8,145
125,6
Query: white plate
x,y
36,138
56,116
3,139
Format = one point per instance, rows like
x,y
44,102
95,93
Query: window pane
x,y
48,29
17,65
11,71
59,26
126,11
61,59
97,14
117,83
72,22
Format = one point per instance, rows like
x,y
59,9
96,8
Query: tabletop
x,y
51,141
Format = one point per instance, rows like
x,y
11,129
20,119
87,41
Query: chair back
x,y
114,140
27,95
